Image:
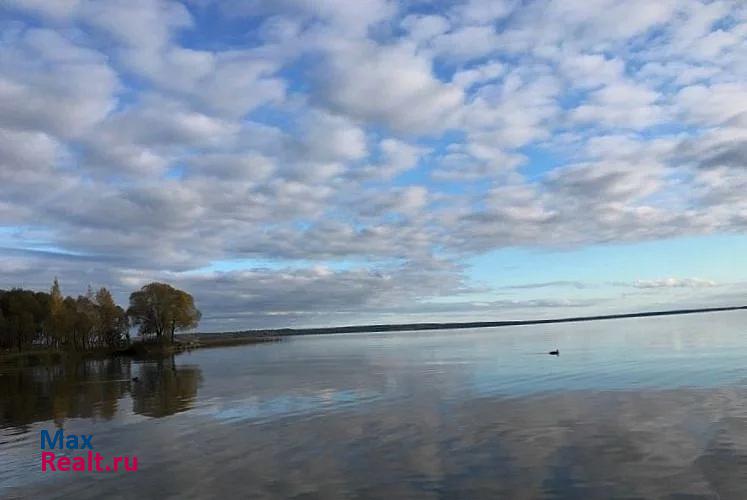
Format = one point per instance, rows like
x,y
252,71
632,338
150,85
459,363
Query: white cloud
x,y
145,24
390,85
396,157
50,84
333,138
514,111
423,28
591,70
53,9
715,104
465,44
674,283
485,73
344,18
621,104
484,11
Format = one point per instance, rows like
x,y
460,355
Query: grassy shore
x,y
188,342
185,342
203,340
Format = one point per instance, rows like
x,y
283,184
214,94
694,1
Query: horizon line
x,y
465,325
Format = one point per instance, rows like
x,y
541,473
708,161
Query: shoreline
x,y
204,340
191,341
138,349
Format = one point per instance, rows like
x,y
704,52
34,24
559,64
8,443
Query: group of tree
x,y
30,319
159,310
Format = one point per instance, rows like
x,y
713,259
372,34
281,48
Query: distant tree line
x,y
31,320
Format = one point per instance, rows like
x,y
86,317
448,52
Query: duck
x,y
135,379
556,352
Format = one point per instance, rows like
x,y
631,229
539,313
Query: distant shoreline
x,y
189,341
404,327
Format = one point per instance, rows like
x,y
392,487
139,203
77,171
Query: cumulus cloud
x,y
620,105
50,84
716,104
389,85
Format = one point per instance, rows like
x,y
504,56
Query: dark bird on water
x,y
556,352
134,379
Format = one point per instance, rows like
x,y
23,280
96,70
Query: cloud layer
x,y
288,159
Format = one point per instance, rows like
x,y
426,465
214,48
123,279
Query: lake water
x,y
636,408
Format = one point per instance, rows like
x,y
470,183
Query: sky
x,y
329,162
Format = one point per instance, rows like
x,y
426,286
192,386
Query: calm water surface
x,y
637,408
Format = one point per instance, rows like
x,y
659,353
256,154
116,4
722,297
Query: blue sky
x,y
306,163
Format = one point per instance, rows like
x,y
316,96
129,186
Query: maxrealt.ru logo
x,y
91,462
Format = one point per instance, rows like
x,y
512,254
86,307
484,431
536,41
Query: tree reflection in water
x,y
36,389
163,388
